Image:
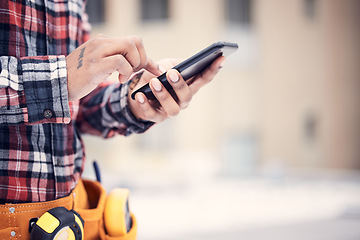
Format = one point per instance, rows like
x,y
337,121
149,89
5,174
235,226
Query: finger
x,y
116,63
125,47
142,53
167,102
148,112
207,75
153,67
182,90
145,62
214,68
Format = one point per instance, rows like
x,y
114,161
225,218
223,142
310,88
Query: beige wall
x,y
344,77
312,67
288,68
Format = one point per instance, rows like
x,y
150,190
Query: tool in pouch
x,y
63,224
58,224
117,219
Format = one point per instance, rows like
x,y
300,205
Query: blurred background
x,y
271,148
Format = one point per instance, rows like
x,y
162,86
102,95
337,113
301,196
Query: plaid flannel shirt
x,y
41,151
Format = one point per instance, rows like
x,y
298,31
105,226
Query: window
x,y
96,11
154,10
239,27
311,127
238,12
310,8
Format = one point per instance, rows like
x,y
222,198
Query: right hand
x,y
94,61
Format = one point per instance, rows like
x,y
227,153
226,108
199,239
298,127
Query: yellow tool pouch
x,y
88,199
90,205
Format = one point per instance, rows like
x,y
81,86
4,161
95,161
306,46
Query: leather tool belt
x,y
88,199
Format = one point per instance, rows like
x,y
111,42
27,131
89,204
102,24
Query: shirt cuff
x,y
45,88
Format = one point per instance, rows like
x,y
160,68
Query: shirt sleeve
x,y
105,112
33,90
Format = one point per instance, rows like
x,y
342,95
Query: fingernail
x,y
173,76
222,63
156,84
140,98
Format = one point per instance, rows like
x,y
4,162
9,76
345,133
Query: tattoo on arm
x,y
80,59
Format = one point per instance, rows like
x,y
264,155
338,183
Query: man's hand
x,y
94,61
167,106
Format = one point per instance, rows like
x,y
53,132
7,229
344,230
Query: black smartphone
x,y
193,65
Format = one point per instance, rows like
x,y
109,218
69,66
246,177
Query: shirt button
x,y
48,113
58,161
51,41
13,233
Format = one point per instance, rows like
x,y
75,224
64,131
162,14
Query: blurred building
x,y
288,97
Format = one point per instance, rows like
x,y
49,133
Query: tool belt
x,y
88,199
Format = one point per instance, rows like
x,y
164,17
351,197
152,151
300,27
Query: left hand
x,y
166,105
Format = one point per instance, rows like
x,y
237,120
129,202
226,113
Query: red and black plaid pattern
x,y
41,152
